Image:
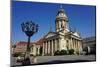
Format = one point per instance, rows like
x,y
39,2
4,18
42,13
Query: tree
x,y
71,51
63,52
57,52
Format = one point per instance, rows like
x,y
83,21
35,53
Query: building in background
x,y
12,46
89,45
35,48
21,48
39,46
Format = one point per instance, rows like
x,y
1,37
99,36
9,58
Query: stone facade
x,y
89,45
21,47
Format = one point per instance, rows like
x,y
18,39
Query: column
x,y
38,50
43,50
71,44
56,26
75,44
55,45
34,49
48,47
52,46
67,44
59,24
59,43
78,46
44,47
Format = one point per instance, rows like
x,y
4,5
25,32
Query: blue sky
x,y
81,18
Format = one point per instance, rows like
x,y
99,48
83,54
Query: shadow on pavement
x,y
58,62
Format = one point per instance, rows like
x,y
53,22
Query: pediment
x,y
76,34
50,34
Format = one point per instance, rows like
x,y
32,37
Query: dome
x,y
61,10
61,14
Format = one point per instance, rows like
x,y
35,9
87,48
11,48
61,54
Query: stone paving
x,y
45,59
42,59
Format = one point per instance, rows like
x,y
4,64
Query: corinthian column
x,y
71,46
52,46
43,49
58,44
55,45
48,47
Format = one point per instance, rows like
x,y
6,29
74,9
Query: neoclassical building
x,y
62,38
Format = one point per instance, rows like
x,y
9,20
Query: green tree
x,y
71,51
63,52
57,52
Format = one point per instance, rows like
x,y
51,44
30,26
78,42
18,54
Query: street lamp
x,y
29,28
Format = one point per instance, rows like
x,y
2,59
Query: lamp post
x,y
29,28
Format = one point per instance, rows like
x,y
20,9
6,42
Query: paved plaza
x,y
59,59
42,59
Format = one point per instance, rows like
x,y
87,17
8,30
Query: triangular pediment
x,y
76,34
50,34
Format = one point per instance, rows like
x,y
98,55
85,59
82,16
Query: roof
x,y
40,42
61,10
23,43
50,34
21,46
93,38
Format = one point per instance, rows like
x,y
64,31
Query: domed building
x,y
62,38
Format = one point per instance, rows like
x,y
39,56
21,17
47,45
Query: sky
x,y
81,18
